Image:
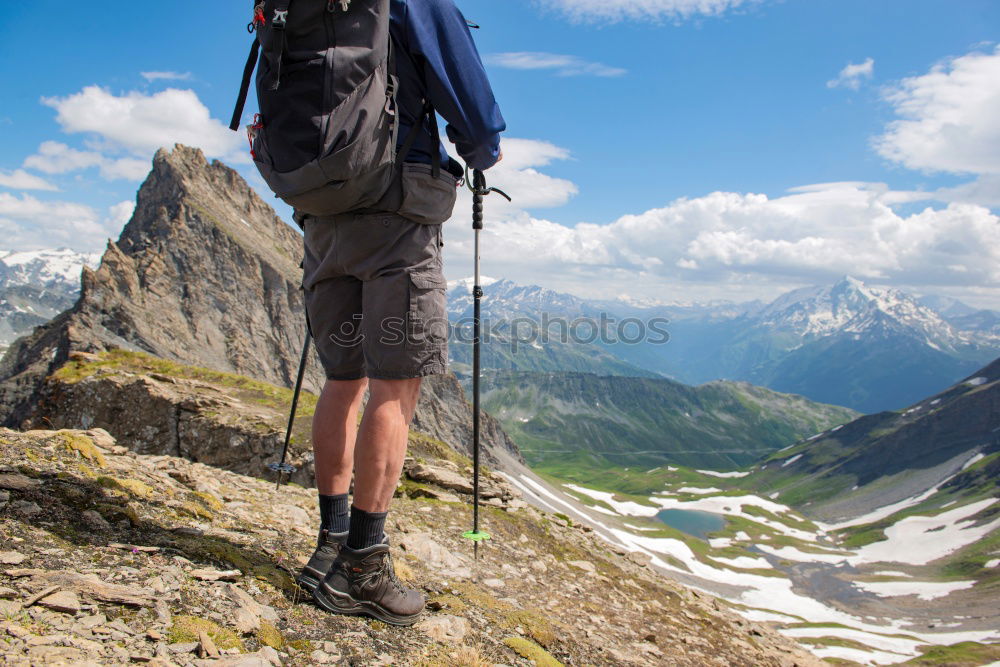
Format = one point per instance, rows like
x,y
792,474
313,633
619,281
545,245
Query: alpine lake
x,y
693,522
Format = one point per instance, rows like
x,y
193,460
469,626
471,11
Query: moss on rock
x,y
268,635
534,624
188,628
82,445
529,650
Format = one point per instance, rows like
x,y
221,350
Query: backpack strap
x,y
276,49
404,150
427,114
241,99
436,150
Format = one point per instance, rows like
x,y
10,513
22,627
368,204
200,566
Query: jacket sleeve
x,y
457,83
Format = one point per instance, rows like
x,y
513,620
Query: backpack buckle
x,y
279,20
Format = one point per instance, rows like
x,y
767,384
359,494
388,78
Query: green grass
x,y
531,651
651,422
958,655
970,561
142,363
594,472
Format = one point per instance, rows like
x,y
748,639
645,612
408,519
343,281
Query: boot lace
x,y
384,568
397,584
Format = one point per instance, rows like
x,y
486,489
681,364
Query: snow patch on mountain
x,y
37,285
925,590
851,307
716,473
918,540
45,268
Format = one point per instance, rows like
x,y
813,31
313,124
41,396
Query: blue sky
x,y
655,144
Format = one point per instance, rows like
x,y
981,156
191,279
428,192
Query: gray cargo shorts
x,y
375,296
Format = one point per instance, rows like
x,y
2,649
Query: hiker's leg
x,y
382,442
379,456
335,431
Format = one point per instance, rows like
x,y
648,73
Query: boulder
x,y
444,628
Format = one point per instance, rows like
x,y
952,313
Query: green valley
x,y
597,421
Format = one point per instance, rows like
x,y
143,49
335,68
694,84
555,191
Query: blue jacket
x,y
437,60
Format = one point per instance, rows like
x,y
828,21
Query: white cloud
x,y
28,223
563,65
984,191
733,245
120,213
139,124
949,118
166,76
618,10
517,175
54,157
19,179
852,75
522,153
28,208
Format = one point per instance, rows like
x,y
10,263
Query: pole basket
x,y
476,536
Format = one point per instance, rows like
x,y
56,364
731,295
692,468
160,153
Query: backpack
x,y
325,137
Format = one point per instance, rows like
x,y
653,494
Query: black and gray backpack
x,y
325,137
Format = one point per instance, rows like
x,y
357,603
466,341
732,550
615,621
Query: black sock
x,y
334,513
366,528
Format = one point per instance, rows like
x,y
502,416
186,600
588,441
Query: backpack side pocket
x,y
426,199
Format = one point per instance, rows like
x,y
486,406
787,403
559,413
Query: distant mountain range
x,y
863,347
37,285
628,421
513,339
866,348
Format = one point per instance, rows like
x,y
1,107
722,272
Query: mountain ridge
x,y
867,348
865,464
161,560
651,421
205,274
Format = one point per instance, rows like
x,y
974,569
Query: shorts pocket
x,y
426,199
427,319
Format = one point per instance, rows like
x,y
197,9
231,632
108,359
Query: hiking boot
x,y
321,560
363,581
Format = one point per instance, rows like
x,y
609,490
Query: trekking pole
x,y
479,190
282,468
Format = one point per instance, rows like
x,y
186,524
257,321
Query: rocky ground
x,y
112,557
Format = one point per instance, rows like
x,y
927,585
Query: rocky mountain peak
x,y
206,197
205,273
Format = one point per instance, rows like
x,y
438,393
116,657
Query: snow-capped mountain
x,y
37,285
505,299
851,307
964,317
510,344
946,306
58,268
864,347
